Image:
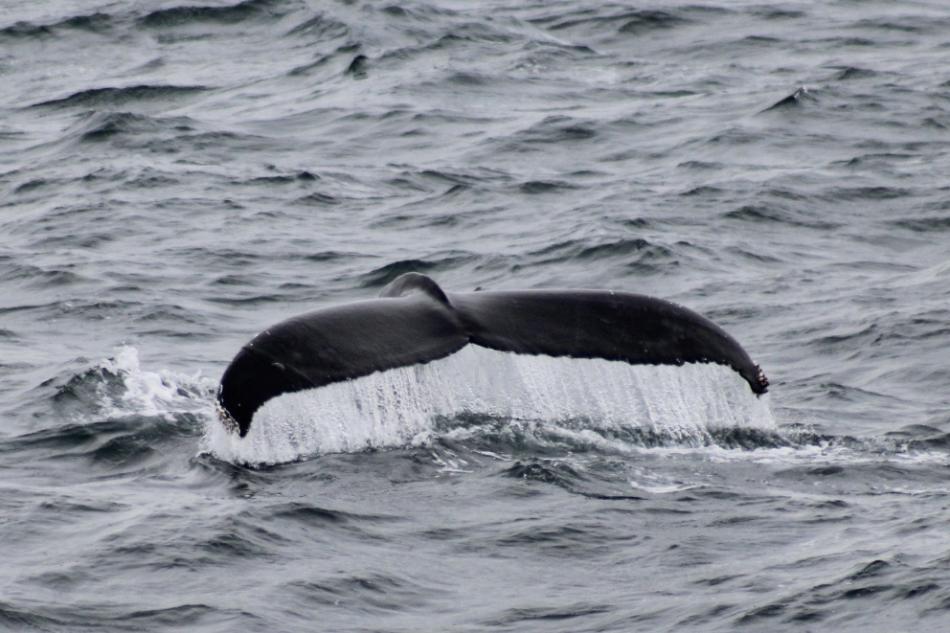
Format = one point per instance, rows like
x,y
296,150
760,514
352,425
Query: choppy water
x,y
176,177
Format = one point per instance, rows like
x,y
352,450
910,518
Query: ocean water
x,y
178,175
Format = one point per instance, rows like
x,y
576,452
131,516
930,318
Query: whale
x,y
413,321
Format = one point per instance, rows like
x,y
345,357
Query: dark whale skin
x,y
414,321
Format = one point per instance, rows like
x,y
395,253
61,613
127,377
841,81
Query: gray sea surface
x,y
178,175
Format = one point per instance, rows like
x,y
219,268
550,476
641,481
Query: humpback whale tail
x,y
415,322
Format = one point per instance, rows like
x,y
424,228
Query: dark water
x,y
176,177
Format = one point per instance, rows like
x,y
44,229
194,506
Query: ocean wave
x,y
227,14
93,22
771,213
97,127
797,99
889,584
153,393
625,21
381,276
119,413
321,28
118,96
554,129
932,224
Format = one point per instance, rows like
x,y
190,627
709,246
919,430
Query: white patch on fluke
x,y
397,407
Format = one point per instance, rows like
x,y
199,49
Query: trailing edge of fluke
x,y
415,321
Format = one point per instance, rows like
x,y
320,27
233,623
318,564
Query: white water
x,y
153,393
398,407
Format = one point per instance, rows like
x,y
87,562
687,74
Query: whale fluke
x,y
414,321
